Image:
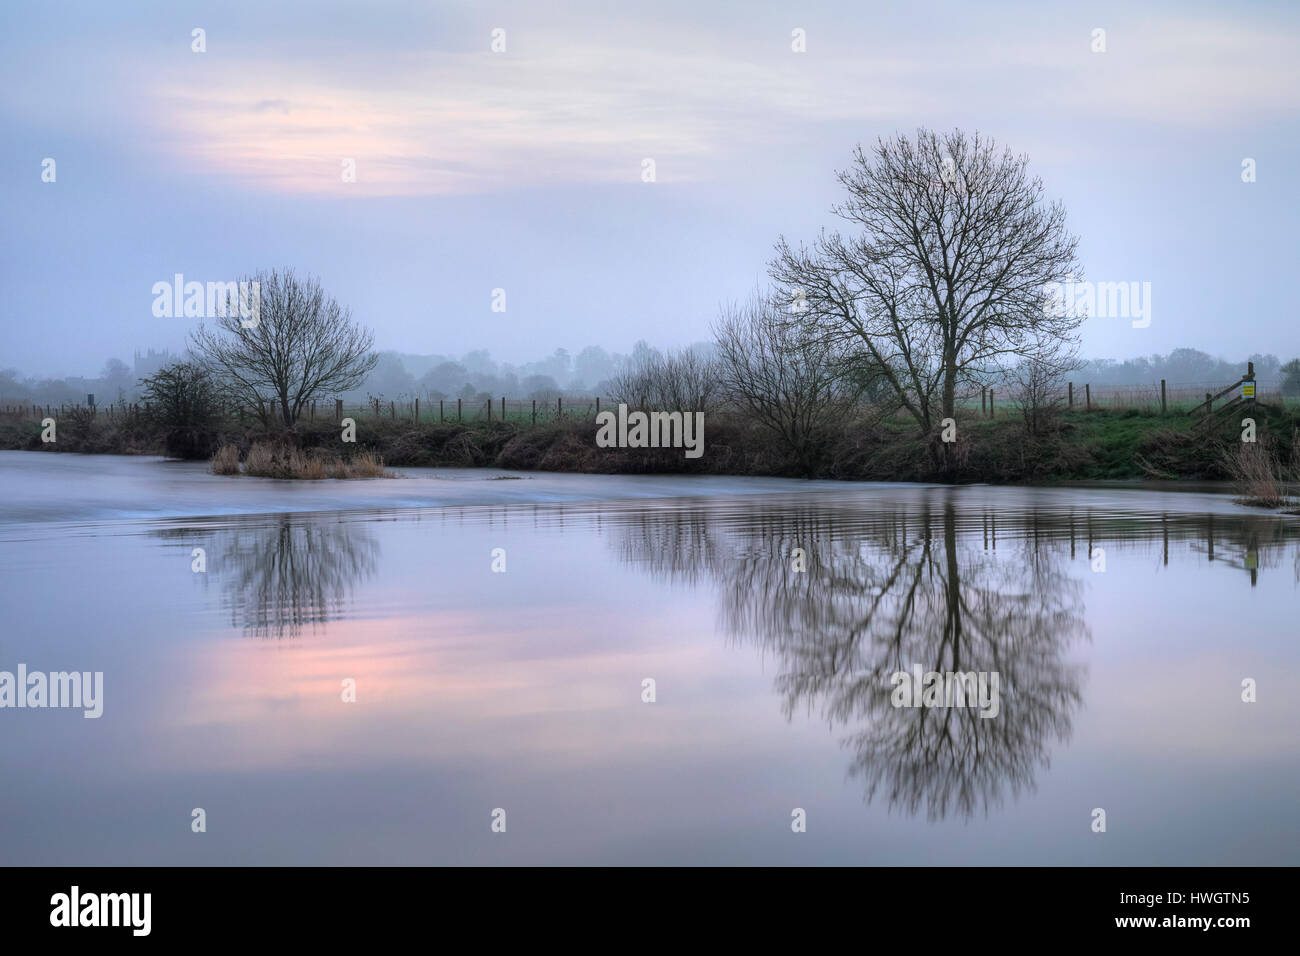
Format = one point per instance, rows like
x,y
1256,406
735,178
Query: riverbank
x,y
1082,446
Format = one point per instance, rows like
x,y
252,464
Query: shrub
x,y
181,401
80,423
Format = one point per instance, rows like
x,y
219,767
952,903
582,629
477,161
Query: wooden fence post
x,y
1071,393
534,411
990,403
503,408
597,404
338,409
417,411
1163,406
1087,397
559,406
458,409
440,418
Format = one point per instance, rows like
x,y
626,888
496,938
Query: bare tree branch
x,y
946,284
302,346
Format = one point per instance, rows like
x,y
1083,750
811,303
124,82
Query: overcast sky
x,y
522,170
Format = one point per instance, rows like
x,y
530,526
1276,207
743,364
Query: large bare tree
x,y
299,344
946,282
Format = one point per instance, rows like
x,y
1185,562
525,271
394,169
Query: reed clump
x,y
279,460
226,460
1258,476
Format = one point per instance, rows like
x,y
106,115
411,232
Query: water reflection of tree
x,y
295,572
881,594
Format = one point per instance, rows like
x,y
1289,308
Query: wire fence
x,y
1157,397
1084,396
424,411
515,410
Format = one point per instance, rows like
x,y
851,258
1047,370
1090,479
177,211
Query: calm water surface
x,y
1120,688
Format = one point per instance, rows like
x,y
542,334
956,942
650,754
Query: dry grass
x,y
273,460
367,465
1257,475
226,460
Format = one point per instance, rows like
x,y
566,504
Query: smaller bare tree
x,y
301,345
685,381
793,384
1037,383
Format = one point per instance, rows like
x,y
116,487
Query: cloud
x,y
277,106
577,100
471,122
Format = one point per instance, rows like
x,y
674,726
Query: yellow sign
x,y
1247,389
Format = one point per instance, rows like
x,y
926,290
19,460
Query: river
x,y
502,635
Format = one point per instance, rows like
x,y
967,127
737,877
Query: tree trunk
x,y
950,386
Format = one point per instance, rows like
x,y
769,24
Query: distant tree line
x,y
475,374
1188,366
397,376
